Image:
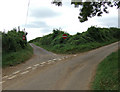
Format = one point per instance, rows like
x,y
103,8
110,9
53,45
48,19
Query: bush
x,y
13,41
92,38
14,47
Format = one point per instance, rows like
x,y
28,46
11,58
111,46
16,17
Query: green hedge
x,y
14,47
93,38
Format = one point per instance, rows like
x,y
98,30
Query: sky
x,y
43,17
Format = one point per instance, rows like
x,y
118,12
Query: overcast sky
x,y
44,16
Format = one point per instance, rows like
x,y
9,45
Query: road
x,y
49,71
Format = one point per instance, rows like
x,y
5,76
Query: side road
x,y
73,73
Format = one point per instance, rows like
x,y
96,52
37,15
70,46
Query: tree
x,y
90,9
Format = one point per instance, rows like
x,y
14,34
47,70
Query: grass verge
x,y
14,58
107,74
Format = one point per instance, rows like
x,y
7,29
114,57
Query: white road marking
x,y
2,82
12,77
28,68
59,59
16,72
49,60
75,55
54,59
43,62
25,72
5,77
36,65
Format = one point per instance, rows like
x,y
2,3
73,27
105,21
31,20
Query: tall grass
x,y
14,49
14,58
107,74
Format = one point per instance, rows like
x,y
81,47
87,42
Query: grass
x,y
107,74
14,58
72,49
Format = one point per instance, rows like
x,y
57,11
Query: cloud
x,y
37,32
37,24
43,12
46,30
111,21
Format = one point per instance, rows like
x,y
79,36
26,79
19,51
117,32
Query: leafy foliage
x,y
14,47
12,41
92,38
90,9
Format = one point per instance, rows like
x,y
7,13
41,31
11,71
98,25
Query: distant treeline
x,y
12,41
94,37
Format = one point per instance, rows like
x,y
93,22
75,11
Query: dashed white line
x,y
12,77
5,77
25,72
54,59
43,63
75,55
59,59
28,68
36,65
49,60
16,72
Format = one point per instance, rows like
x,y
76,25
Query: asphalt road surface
x,y
49,71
